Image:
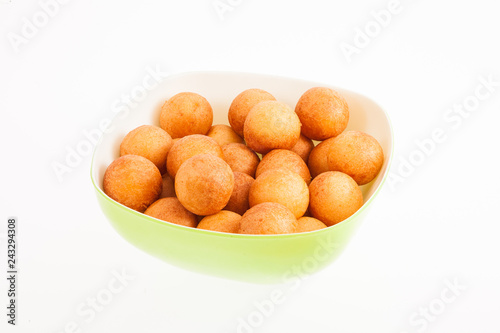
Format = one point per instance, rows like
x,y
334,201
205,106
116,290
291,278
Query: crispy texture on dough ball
x,y
318,159
334,196
188,147
133,181
241,158
323,112
238,202
171,210
224,134
303,147
168,187
186,113
268,218
281,186
306,224
242,104
204,184
271,125
357,154
150,142
284,159
223,221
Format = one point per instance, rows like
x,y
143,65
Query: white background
x,y
439,223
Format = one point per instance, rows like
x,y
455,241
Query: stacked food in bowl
x,y
274,170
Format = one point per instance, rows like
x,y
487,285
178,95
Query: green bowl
x,y
251,258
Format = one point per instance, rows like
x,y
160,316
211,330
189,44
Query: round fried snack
x,y
133,181
318,159
223,221
186,113
266,219
241,158
204,184
242,104
281,186
284,159
306,224
357,154
224,134
334,196
188,147
303,147
271,125
150,142
168,187
323,112
171,210
238,202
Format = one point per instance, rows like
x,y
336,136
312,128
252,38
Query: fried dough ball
x,y
334,196
323,112
223,221
186,113
171,210
204,184
224,134
271,125
133,181
303,147
268,218
150,142
281,186
318,159
284,159
238,202
306,224
168,187
242,104
188,147
357,154
241,158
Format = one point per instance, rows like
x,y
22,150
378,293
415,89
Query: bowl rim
x,y
250,236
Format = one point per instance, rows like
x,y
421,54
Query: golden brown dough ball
x,y
204,184
186,113
242,104
271,125
334,196
281,186
133,181
150,142
238,202
268,218
171,210
306,224
318,159
188,147
323,112
357,154
241,158
284,159
223,221
224,134
303,147
168,187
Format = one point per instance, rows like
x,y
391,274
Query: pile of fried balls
x,y
264,174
